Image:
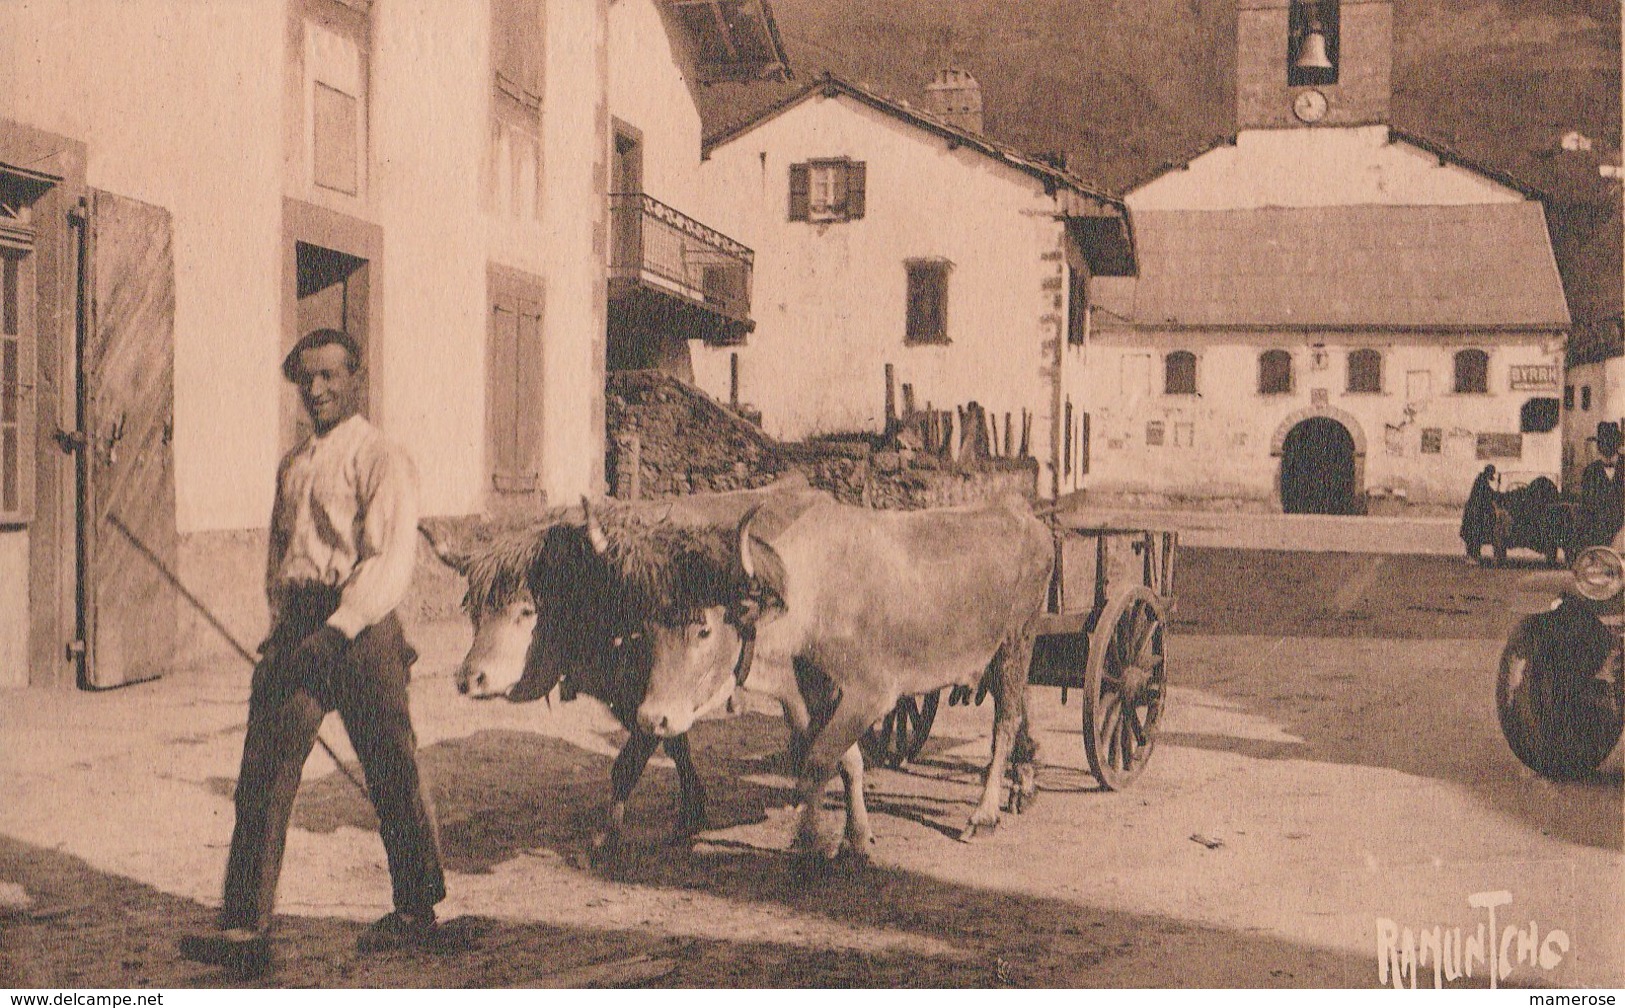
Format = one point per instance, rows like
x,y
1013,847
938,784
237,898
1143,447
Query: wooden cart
x,y
1104,634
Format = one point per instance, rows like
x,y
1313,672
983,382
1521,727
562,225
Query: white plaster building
x,y
187,187
1330,314
886,236
672,276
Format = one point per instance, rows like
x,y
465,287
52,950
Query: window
x,y
514,382
16,370
337,41
828,190
1539,416
1472,371
927,301
1585,397
1066,455
515,158
1274,372
1077,306
1365,370
1179,373
1568,397
516,50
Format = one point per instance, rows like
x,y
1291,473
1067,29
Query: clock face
x,y
1309,106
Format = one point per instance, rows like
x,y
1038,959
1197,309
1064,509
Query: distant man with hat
x,y
1602,490
343,545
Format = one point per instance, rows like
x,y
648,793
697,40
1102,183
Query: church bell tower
x,y
1306,63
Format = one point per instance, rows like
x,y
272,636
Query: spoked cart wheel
x,y
1125,688
899,736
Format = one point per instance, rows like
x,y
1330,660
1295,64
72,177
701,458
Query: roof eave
x,y
828,85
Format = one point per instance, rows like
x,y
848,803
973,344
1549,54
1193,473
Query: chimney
x,y
955,96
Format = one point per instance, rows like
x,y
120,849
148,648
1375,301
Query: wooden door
x,y
128,501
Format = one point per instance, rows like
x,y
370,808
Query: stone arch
x,y
1278,441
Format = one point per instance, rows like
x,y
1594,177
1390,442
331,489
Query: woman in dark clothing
x,y
1478,517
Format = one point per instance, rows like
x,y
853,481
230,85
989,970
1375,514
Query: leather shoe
x,y
241,950
399,930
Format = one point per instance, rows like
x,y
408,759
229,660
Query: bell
x,y
1312,51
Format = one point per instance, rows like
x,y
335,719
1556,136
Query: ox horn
x,y
595,531
448,556
744,541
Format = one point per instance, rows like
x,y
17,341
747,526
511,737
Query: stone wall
x,y
667,438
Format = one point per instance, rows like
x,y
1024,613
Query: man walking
x,y
343,546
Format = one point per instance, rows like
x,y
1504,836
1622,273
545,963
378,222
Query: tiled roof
x,y
1486,266
829,86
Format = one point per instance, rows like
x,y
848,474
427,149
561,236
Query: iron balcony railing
x,y
659,247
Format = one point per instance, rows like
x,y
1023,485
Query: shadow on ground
x,y
1278,593
86,928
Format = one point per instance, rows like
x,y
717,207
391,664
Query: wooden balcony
x,y
669,271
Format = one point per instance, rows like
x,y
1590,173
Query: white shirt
x,y
346,516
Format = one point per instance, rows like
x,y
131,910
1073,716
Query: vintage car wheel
x,y
1558,724
898,737
1125,688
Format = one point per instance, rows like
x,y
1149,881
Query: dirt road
x,y
1329,762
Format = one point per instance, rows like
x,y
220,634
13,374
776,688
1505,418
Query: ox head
x,y
539,603
698,623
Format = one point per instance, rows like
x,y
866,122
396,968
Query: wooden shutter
x,y
799,185
129,529
856,183
516,51
514,384
1083,444
528,394
502,388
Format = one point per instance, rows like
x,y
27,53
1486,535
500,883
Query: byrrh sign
x,y
1534,377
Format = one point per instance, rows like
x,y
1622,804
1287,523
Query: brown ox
x,y
548,609
849,609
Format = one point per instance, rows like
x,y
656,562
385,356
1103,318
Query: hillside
x,y
1126,87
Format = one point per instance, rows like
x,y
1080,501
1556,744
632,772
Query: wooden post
x,y
891,403
908,400
1026,433
1008,446
636,454
733,382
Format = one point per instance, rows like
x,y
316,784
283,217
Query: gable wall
x,y
830,299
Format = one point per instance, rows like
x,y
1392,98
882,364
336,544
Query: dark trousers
x,y
368,689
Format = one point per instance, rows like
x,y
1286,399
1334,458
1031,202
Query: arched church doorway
x,y
1317,469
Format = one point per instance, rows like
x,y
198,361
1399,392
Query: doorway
x,y
331,281
332,294
1318,469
